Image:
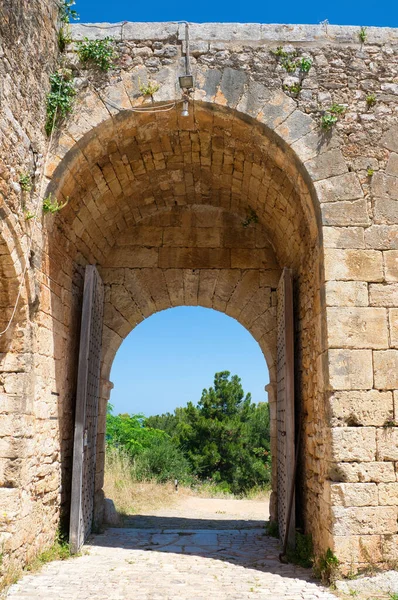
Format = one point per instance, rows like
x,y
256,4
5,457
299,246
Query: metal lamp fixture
x,y
186,82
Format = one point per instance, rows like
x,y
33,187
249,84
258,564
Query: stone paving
x,y
174,562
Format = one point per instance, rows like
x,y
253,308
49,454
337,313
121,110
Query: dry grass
x,y
131,496
143,497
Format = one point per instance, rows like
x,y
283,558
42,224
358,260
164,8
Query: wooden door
x,y
86,417
285,405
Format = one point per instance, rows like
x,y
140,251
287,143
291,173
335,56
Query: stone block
x,y
374,520
353,444
340,188
345,214
357,327
256,258
142,235
388,494
383,294
391,265
194,258
343,237
134,257
384,185
111,516
328,164
185,237
351,494
296,126
276,110
385,369
353,265
355,549
390,138
346,293
358,408
362,472
381,237
390,548
392,165
350,369
387,443
386,210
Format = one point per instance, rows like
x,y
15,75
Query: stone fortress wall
x,y
157,202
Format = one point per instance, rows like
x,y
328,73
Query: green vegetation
x,y
223,441
25,181
58,551
290,63
272,529
294,89
326,567
67,13
369,171
101,53
251,217
52,206
148,89
59,99
328,121
303,554
371,100
362,34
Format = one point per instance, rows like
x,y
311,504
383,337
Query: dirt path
x,y
200,549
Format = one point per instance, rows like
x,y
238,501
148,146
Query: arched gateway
x,y
218,209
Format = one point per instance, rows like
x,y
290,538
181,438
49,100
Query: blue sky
x,y
170,357
354,12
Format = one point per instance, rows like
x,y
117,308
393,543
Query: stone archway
x,y
203,210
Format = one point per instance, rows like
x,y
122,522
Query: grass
x,y
136,497
58,551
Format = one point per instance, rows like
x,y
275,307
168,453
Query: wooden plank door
x,y
285,405
86,417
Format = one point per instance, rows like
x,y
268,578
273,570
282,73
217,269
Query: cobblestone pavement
x,y
174,563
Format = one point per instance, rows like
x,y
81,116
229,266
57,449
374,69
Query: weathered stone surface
x,y
355,265
390,138
353,444
388,494
386,369
350,369
381,237
350,214
357,327
362,472
357,408
364,520
383,294
387,443
326,165
343,237
391,265
342,187
351,494
346,293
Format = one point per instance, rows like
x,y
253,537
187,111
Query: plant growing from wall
x,y
59,98
303,553
25,181
294,89
369,171
327,567
66,14
331,116
371,100
305,65
52,206
251,217
362,34
101,53
148,89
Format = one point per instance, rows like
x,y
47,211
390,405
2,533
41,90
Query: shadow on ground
x,y
240,542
